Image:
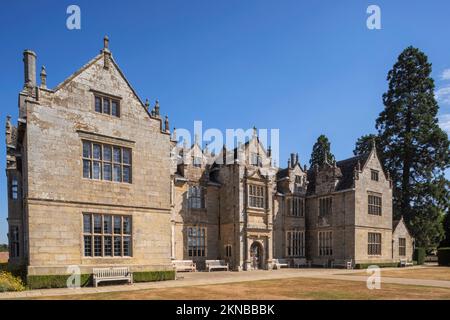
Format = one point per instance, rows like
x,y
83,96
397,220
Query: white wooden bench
x,y
280,263
405,263
346,264
301,262
111,274
184,265
216,265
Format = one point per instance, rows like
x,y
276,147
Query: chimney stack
x,y
29,62
293,160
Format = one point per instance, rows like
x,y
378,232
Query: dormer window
x,y
107,105
256,160
374,175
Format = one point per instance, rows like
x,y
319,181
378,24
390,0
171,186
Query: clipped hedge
x,y
148,276
443,256
419,255
54,281
381,265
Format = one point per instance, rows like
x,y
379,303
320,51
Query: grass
x,y
280,289
431,273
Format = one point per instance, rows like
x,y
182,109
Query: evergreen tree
x,y
320,148
446,225
364,144
414,149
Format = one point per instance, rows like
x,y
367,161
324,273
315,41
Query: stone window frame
x,y
325,243
14,241
295,243
93,235
256,196
374,243
296,206
374,204
374,175
196,197
228,251
325,206
102,162
14,188
197,244
402,247
111,99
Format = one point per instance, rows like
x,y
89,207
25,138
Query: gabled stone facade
x,y
94,179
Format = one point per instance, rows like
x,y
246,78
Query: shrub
x,y
381,265
419,255
148,276
444,256
54,281
8,282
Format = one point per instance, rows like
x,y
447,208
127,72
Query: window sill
x,y
107,181
104,258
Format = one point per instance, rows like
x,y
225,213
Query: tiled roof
x,y
346,166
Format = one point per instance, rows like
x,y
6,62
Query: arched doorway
x,y
256,255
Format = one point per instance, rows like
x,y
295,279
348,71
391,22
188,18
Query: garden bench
x,y
301,262
216,264
346,264
184,265
405,263
280,263
111,274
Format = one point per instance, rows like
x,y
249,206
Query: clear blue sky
x,y
306,67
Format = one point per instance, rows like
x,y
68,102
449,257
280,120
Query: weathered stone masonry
x,y
65,207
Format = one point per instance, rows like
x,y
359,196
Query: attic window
x,y
107,106
374,175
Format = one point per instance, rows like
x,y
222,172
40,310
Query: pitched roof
x,y
283,173
346,166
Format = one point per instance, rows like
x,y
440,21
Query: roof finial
x,y
255,132
157,108
374,143
325,156
166,124
43,77
196,138
174,135
106,42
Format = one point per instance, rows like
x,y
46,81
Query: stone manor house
x,y
91,182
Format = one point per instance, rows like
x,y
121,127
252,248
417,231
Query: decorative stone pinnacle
x,y
43,75
325,156
106,42
166,124
157,108
174,135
